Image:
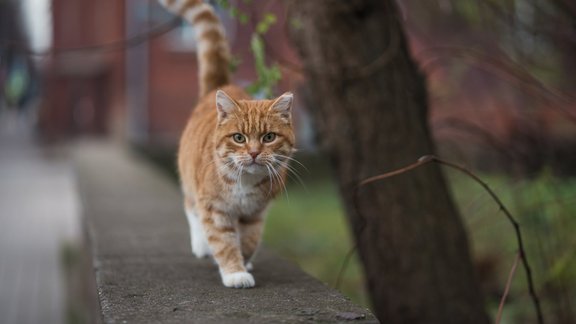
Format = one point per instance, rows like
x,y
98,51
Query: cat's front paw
x,y
238,280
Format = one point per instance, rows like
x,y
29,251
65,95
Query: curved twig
x,y
507,289
344,265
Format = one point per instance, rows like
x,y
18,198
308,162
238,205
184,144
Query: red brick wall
x,y
83,89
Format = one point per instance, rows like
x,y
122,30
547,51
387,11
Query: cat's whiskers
x,y
287,166
292,159
270,177
239,177
278,177
292,172
225,167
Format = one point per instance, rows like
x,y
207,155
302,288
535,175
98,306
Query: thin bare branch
x,y
422,160
344,265
507,289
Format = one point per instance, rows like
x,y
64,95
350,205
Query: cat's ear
x,y
283,105
224,104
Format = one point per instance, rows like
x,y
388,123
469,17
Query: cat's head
x,y
254,136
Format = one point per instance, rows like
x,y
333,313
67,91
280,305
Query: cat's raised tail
x,y
212,47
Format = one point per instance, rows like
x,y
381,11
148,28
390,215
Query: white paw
x,y
249,266
238,280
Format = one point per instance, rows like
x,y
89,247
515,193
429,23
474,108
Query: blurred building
x,y
83,88
140,82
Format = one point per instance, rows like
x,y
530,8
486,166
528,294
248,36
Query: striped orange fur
x,y
233,154
212,47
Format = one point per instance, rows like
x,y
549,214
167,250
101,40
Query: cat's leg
x,y
250,237
224,241
198,241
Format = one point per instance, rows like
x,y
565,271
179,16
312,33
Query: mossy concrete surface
x,y
145,272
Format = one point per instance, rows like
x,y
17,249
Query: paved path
x,y
38,214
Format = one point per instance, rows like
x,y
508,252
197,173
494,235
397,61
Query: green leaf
x,y
243,18
264,25
268,77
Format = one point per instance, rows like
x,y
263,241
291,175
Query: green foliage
x,y
268,76
235,62
233,11
264,25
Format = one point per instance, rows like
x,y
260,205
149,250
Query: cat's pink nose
x,y
254,155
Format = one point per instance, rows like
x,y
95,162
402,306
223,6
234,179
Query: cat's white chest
x,y
245,199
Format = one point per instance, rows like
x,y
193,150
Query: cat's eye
x,y
270,137
239,138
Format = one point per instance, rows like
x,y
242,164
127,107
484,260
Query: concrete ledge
x,y
144,269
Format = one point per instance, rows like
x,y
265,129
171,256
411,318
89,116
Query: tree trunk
x,y
369,105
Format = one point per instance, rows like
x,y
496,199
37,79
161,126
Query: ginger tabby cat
x,y
233,154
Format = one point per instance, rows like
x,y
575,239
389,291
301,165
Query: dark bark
x,y
369,103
